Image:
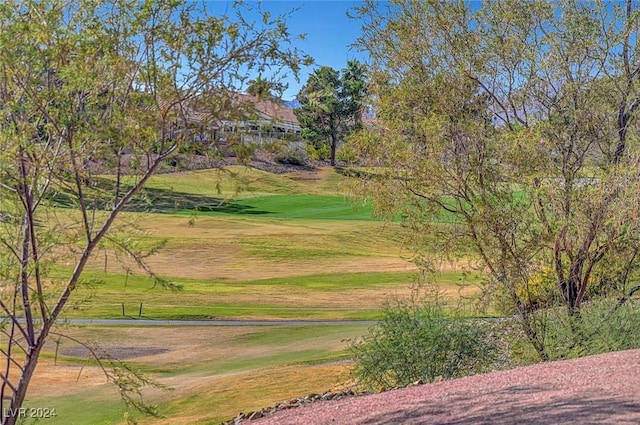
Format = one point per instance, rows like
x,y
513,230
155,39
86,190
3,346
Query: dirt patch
x,y
277,168
113,352
315,174
54,379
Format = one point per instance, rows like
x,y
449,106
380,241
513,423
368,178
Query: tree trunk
x,y
570,292
16,413
333,143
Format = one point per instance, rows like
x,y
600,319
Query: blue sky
x,y
329,31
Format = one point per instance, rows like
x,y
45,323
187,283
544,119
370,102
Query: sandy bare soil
x,y
592,390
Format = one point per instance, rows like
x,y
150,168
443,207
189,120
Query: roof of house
x,y
268,109
248,107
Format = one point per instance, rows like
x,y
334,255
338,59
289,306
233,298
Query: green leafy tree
x,y
508,136
93,85
331,105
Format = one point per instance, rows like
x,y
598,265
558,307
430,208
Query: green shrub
x,y
293,156
319,152
420,342
193,148
274,147
599,328
243,152
176,163
347,153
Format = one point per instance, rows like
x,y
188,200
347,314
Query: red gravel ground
x,y
603,389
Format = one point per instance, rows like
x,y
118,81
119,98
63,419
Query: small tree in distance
x,y
265,89
96,82
331,105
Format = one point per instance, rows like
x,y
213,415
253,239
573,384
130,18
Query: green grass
x,y
306,207
87,408
319,297
337,282
266,337
138,284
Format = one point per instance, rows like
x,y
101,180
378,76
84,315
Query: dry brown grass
x,y
192,364
225,396
219,248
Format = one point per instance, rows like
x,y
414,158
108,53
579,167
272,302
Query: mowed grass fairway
x,y
243,244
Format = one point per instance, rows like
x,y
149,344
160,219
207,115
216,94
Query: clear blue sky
x,y
329,31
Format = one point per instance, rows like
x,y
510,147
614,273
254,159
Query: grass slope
x,y
244,244
250,192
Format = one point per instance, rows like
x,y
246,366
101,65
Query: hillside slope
x,y
591,390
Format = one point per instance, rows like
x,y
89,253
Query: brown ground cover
x,y
599,389
212,372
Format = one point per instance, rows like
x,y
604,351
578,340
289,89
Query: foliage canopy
x,y
515,124
331,105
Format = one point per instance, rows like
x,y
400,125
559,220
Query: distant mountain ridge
x,y
291,104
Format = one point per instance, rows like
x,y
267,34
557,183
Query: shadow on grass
x,y
154,200
164,201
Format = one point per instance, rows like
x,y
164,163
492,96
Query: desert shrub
x,y
292,156
319,152
193,148
602,326
175,163
421,342
242,151
274,147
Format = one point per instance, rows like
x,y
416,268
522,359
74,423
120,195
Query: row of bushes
x,y
300,156
425,342
281,151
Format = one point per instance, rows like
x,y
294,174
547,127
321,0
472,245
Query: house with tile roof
x,y
244,118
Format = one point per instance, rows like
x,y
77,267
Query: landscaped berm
x,y
591,390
